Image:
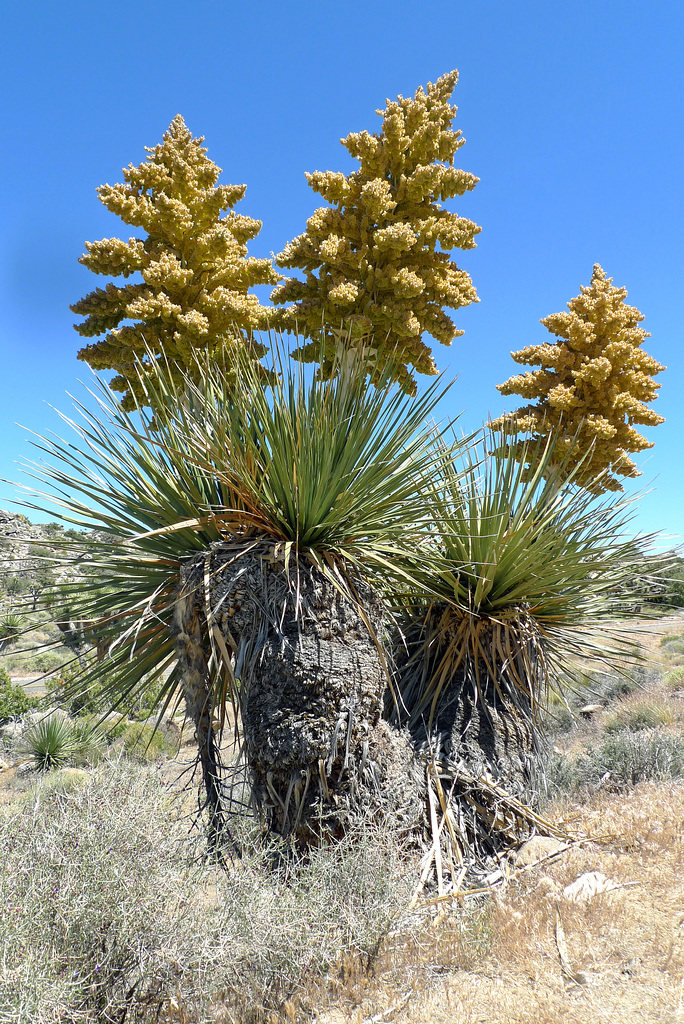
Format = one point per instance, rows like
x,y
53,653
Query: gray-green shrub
x,y
620,761
108,910
14,700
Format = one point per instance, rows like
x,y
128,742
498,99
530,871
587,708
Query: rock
x,y
590,884
536,849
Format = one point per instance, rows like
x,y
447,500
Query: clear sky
x,y
572,114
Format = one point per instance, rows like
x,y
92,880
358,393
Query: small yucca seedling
x,y
55,742
11,626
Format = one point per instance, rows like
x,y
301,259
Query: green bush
x,y
675,678
672,646
14,700
145,743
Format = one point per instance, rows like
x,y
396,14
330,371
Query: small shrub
x,y
50,660
110,728
672,646
559,719
14,700
675,679
621,761
601,687
91,739
53,529
559,776
96,699
145,743
628,758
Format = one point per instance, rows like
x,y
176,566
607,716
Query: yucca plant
x,y
529,574
243,538
11,626
53,741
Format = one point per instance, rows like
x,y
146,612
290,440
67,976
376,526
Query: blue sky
x,y
571,112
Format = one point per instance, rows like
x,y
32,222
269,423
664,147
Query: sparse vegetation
x,y
114,914
620,761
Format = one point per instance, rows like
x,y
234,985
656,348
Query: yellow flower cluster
x,y
376,261
193,262
594,383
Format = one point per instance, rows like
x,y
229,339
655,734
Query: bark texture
x,y
311,679
480,737
491,733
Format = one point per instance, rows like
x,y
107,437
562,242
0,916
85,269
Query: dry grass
x,y
628,944
502,965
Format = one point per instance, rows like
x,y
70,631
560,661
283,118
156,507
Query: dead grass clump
x,y
637,716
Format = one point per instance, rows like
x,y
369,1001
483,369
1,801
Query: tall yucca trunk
x,y
307,654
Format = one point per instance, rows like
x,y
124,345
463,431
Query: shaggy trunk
x,y
193,656
311,678
481,736
489,730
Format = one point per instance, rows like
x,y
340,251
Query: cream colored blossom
x,y
388,235
193,262
344,294
594,384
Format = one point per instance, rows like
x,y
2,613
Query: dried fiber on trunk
x,y
192,650
473,726
307,656
467,691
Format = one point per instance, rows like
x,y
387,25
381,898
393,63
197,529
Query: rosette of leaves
x,y
529,576
243,542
